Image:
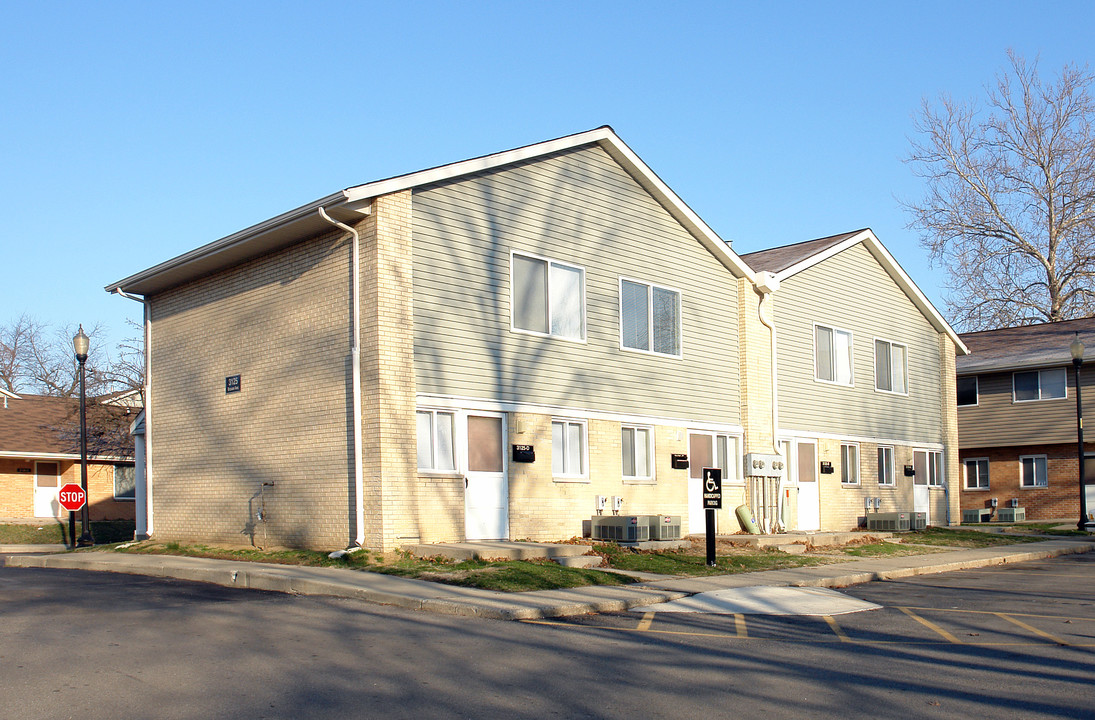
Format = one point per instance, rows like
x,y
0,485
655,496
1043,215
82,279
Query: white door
x,y
46,486
486,496
708,449
804,463
921,489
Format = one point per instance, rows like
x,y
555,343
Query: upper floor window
x,y
548,297
891,367
1038,384
977,473
967,390
833,355
436,449
650,318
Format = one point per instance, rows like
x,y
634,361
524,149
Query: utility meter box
x,y
764,465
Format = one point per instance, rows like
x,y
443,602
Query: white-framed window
x,y
436,440
710,449
638,452
967,390
1038,385
833,355
125,482
548,297
935,468
1032,471
849,464
891,367
977,473
650,318
885,466
568,449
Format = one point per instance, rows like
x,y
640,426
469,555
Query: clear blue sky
x,y
133,132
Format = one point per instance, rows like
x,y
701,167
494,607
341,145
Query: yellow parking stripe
x,y
646,622
1030,628
739,622
836,629
931,626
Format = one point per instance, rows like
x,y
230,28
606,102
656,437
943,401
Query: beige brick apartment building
x,y
480,350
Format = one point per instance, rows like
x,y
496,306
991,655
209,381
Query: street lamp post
x,y
80,344
1077,350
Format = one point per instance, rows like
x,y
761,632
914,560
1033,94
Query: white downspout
x,y
144,505
767,283
355,356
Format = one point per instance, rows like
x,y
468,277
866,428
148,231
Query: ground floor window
x,y
849,464
1032,471
568,448
885,466
125,482
935,468
436,449
638,452
977,473
713,450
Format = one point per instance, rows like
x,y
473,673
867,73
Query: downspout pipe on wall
x,y
143,492
355,355
766,284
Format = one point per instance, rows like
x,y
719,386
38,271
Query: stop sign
x,y
72,497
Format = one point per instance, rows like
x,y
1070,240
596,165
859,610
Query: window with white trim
x,y
548,297
891,367
1038,385
832,355
849,464
935,468
967,390
977,473
125,482
638,452
706,449
1032,471
650,318
436,446
885,466
568,449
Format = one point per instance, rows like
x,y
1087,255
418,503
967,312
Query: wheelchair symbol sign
x,y
712,488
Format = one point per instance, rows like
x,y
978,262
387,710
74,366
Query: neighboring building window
x,y
650,318
568,448
833,355
713,450
436,450
638,452
1032,470
125,482
891,367
977,473
548,297
885,466
1038,385
935,468
967,390
849,464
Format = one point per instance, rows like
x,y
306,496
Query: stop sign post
x,y
72,497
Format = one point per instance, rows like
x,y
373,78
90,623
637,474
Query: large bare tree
x,y
1010,204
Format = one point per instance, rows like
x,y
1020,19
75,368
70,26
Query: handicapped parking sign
x,y
712,488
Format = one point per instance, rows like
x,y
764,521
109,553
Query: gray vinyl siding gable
x,y
997,421
577,207
852,291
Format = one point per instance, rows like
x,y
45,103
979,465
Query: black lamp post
x,y
80,343
1077,349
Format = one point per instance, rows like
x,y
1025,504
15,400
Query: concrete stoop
x,y
581,561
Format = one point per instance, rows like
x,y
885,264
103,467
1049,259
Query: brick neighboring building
x,y
40,452
1017,419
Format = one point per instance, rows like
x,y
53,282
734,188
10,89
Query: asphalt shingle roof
x,y
778,259
1025,346
32,424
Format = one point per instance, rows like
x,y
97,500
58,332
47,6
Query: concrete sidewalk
x,y
452,600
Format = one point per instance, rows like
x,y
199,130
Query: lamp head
x,y
80,343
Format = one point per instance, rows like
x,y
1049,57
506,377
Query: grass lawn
x,y
51,532
962,538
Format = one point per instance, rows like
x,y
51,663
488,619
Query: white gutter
x,y
766,284
355,355
143,491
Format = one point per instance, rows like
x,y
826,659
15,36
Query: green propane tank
x,y
746,520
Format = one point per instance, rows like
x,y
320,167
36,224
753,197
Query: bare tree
x,y
126,371
15,340
1010,201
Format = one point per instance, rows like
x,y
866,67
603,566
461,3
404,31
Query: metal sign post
x,y
712,501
